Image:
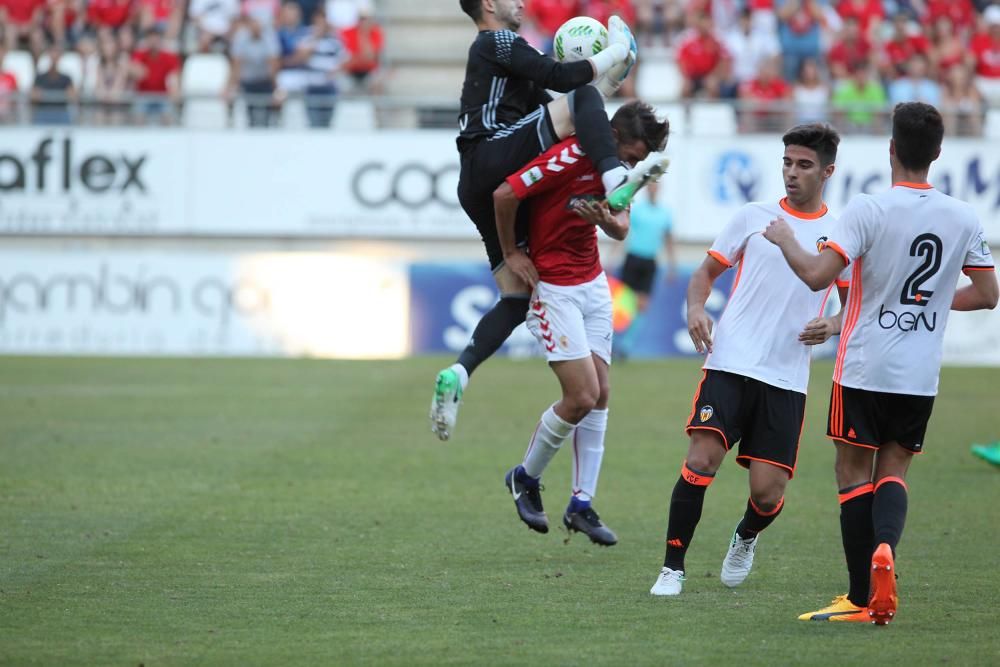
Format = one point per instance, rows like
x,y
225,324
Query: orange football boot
x,y
884,601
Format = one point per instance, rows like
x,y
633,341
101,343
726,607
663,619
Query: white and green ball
x,y
579,38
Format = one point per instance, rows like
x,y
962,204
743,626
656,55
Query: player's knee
x,y
849,473
705,455
604,393
581,401
767,500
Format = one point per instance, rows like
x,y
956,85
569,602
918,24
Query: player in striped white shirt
x,y
907,247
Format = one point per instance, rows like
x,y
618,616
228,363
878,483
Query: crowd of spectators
x,y
778,60
796,60
117,61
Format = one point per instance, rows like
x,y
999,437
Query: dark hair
x,y
474,8
637,120
917,131
820,137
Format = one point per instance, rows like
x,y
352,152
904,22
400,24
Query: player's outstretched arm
x,y
981,294
699,289
525,62
816,271
505,205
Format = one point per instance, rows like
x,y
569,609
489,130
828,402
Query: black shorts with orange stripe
x,y
873,418
765,420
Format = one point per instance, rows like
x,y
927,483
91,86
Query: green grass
x,y
177,512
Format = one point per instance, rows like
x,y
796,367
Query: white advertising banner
x,y
116,302
92,182
172,182
710,178
397,183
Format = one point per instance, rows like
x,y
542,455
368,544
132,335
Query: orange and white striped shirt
x,y
907,247
758,333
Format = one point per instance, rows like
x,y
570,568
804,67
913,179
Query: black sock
x,y
493,329
686,503
858,536
593,128
889,511
755,521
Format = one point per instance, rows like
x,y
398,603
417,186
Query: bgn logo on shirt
x,y
930,248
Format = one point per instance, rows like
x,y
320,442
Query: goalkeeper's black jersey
x,y
505,79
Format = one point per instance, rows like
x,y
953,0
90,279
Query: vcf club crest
x,y
819,243
737,178
706,413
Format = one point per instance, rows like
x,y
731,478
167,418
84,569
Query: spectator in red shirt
x,y
765,107
947,47
985,49
162,14
868,13
21,21
960,12
602,10
702,59
850,51
364,43
906,41
548,15
8,89
108,13
156,73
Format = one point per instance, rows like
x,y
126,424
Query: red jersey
x,y
959,11
865,13
20,12
158,68
899,52
8,84
602,10
987,54
160,10
775,89
550,14
698,56
563,245
351,39
110,13
849,55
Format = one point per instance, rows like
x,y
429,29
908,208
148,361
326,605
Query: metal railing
x,y
300,111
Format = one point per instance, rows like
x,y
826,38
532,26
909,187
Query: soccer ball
x,y
579,38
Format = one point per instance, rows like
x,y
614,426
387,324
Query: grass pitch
x,y
177,512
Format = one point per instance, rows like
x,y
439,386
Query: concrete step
x,y
442,80
432,42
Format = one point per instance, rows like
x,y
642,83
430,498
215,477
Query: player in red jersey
x,y
570,312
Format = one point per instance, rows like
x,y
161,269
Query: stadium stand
x,y
414,85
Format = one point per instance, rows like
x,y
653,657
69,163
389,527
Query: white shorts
x,y
572,321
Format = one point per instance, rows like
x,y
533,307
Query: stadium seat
x,y
203,80
293,114
677,115
712,119
991,128
22,66
658,80
354,116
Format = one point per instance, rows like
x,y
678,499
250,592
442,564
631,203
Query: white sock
x,y
588,451
463,375
551,432
613,178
